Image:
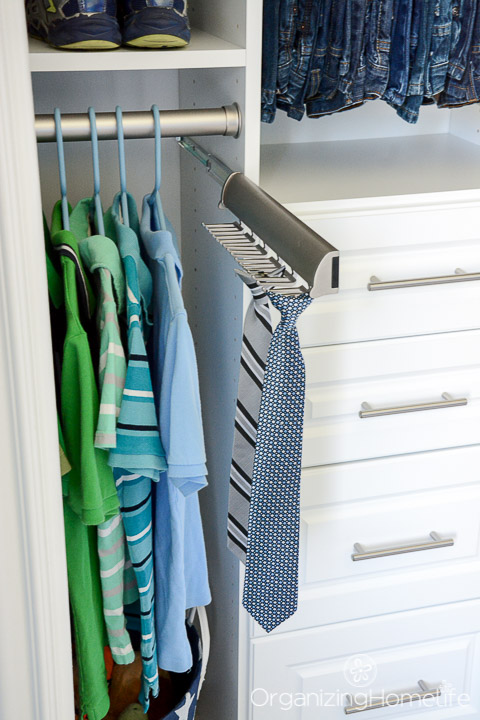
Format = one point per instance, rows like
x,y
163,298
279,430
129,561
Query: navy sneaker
x,y
155,23
75,24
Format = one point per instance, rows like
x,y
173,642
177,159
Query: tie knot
x,y
289,306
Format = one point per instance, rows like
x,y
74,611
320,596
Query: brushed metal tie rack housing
x,y
269,242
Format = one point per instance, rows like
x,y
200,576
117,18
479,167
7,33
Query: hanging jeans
x,y
420,43
445,28
397,85
270,48
303,21
363,62
431,41
462,86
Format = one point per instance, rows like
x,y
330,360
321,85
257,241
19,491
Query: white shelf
x,y
300,173
203,51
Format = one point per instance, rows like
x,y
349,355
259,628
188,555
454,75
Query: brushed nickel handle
x,y
399,698
459,276
435,542
448,401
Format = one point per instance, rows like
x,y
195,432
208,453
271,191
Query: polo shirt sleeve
x,y
180,410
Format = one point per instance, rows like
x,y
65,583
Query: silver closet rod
x,y
225,120
310,255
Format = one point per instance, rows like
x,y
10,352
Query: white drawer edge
x,y
427,202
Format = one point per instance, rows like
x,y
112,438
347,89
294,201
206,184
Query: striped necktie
x,y
271,573
257,334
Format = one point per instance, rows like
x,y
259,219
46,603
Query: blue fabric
x,y
377,47
179,551
332,53
64,22
306,24
270,591
396,90
351,81
462,85
185,709
155,17
139,456
442,39
420,49
270,43
138,5
138,443
327,56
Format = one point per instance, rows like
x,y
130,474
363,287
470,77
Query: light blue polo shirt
x,y
181,578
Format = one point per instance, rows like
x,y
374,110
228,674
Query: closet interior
x,y
387,195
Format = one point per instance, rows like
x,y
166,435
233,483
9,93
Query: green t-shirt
x,y
83,575
91,491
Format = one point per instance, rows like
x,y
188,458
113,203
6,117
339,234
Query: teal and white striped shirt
x,y
138,457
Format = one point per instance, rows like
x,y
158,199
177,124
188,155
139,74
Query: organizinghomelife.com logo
x,y
360,672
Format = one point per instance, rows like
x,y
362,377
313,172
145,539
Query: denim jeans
x,y
397,86
445,30
350,83
420,56
462,85
307,24
365,63
270,49
377,47
331,55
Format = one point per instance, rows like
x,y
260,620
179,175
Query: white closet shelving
x,y
391,197
369,152
203,51
399,202
220,66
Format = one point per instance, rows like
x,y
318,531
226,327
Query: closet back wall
x,y
132,90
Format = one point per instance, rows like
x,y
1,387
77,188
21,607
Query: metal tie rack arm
x,y
271,243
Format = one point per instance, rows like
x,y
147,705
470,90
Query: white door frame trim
x,y
35,650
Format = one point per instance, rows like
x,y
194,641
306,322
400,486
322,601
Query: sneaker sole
x,y
86,32
157,41
156,27
90,45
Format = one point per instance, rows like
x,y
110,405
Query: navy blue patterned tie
x,y
271,572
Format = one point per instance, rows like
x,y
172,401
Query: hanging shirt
x,y
180,562
80,540
100,255
91,489
138,457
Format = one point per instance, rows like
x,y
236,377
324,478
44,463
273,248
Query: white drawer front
x,y
388,374
329,534
310,673
397,476
387,501
370,224
357,313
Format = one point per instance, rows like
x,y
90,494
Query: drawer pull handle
x,y
459,276
398,699
435,542
448,401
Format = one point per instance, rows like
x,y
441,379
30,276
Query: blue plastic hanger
x,y
122,167
61,168
96,173
154,200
